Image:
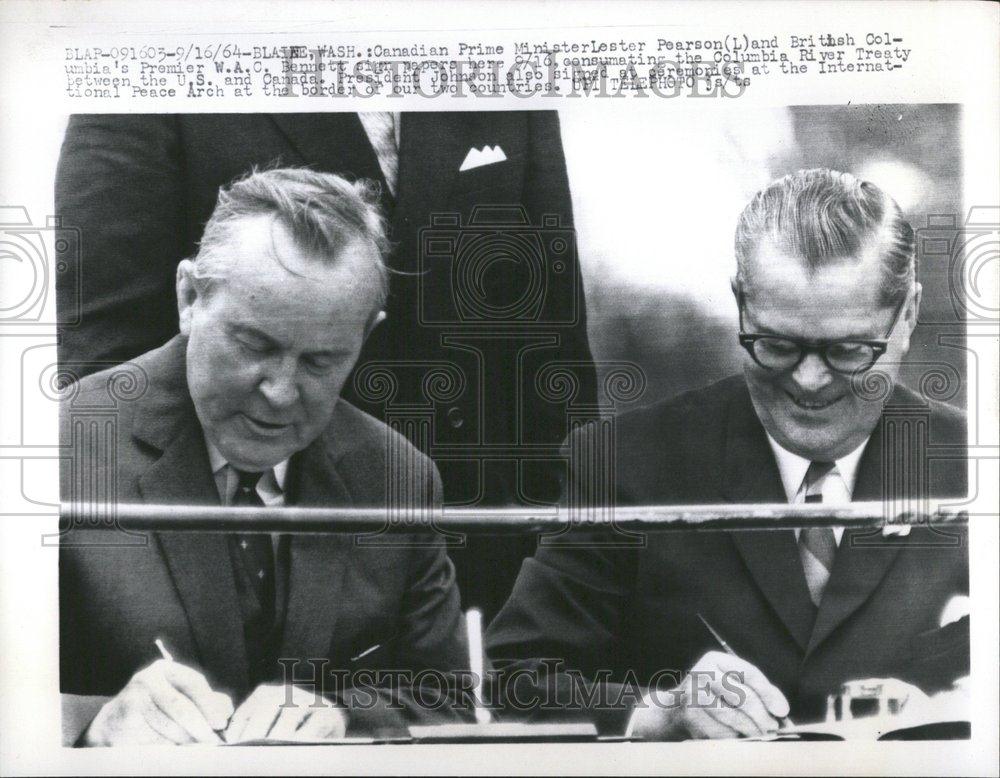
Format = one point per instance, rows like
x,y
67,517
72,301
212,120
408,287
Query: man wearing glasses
x,y
707,634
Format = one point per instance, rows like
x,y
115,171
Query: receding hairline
x,y
324,213
341,261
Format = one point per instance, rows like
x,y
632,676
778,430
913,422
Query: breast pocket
x,y
502,181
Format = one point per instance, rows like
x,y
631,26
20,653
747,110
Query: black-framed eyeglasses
x,y
781,353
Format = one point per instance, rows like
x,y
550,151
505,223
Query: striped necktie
x,y
817,545
380,127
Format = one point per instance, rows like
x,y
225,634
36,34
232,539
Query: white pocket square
x,y
487,155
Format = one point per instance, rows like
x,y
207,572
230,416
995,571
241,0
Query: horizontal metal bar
x,y
643,518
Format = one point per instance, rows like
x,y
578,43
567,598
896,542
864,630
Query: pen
x,y
170,658
377,647
784,721
717,636
366,652
163,650
474,630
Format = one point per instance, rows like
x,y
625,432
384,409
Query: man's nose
x,y
812,373
280,382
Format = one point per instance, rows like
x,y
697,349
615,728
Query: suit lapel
x,y
318,563
335,142
862,561
771,556
430,152
868,481
773,561
864,555
182,475
199,563
203,574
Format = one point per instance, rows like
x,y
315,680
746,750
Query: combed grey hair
x,y
323,212
824,216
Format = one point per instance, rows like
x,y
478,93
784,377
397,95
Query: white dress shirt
x,y
838,485
270,488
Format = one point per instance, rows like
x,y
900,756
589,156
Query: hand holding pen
x,y
783,720
166,702
723,696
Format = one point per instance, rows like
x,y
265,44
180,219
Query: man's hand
x,y
722,697
164,703
266,714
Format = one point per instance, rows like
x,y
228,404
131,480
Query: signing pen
x,y
377,647
366,652
170,658
163,650
784,721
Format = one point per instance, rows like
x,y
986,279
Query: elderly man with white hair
x,y
204,637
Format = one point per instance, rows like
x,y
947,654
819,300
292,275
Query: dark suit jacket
x,y
141,187
633,612
119,592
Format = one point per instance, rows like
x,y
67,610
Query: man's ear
x,y
377,318
187,294
734,285
910,315
913,309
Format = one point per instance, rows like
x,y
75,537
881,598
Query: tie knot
x,y
818,471
247,480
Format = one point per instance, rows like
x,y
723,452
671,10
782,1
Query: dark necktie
x,y
817,545
255,550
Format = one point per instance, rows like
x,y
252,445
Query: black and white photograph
x,y
644,434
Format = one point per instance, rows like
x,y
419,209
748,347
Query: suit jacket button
x,y
455,418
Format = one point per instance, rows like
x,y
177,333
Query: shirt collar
x,y
217,462
793,468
